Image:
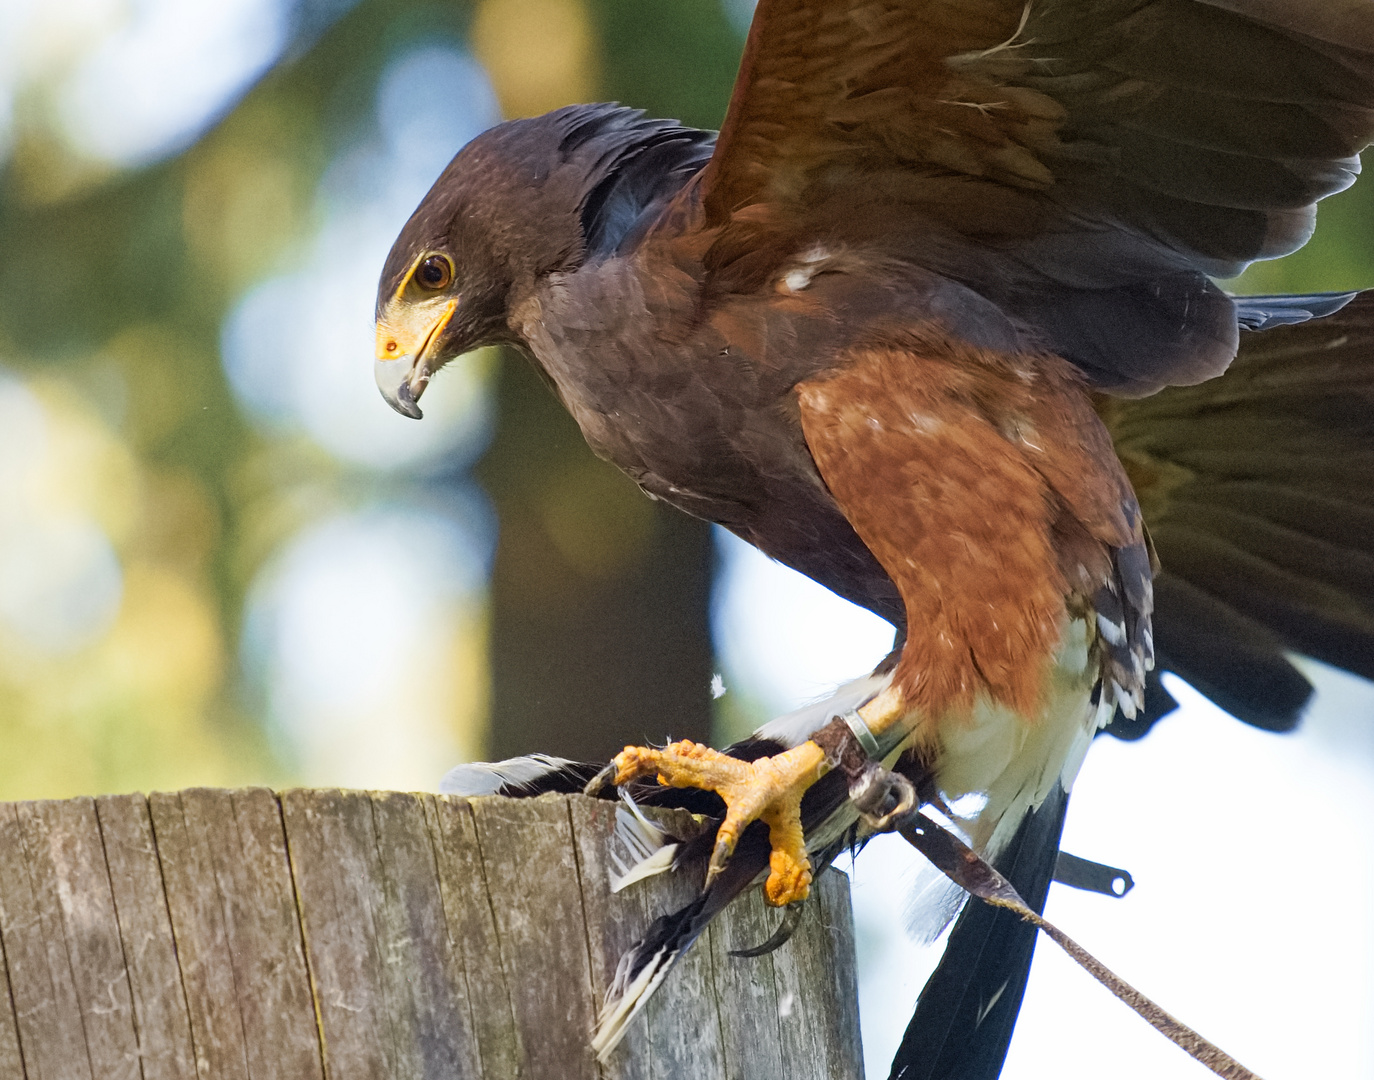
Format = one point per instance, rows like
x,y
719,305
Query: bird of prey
x,y
933,320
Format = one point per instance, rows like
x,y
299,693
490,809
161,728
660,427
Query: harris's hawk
x,y
898,325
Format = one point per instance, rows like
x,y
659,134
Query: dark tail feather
x,y
967,1011
648,961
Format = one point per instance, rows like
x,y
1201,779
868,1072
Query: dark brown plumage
x,y
865,329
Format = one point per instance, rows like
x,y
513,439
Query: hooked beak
x,y
401,367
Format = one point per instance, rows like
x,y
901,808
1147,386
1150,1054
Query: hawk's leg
x,y
769,789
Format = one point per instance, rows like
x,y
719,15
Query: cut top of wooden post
x,y
341,935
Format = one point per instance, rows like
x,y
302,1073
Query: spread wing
x,y
1258,490
1084,163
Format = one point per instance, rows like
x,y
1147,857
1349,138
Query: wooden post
x,y
342,935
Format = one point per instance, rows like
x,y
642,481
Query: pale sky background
x,y
1253,853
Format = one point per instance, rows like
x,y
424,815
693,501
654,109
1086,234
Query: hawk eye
x,y
435,273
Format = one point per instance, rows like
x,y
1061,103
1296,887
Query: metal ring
x,y
861,732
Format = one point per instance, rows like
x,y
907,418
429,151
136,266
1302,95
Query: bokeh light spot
x,y
152,86
352,634
541,53
60,579
59,583
430,102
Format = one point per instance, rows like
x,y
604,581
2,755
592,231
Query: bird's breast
x,y
699,407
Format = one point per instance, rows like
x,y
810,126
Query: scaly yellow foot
x,y
769,789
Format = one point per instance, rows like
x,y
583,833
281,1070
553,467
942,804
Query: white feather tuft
x,y
626,998
1124,699
489,777
639,848
932,904
657,863
794,728
1016,764
1113,632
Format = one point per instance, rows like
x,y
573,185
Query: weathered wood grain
x,y
201,939
750,1027
682,1022
65,962
11,1063
332,935
46,1009
472,925
614,922
527,847
334,860
818,1016
145,929
233,909
678,1033
66,860
390,989
431,1014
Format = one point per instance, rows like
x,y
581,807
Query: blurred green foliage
x,y
113,289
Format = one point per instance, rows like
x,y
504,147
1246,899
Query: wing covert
x,y
1080,162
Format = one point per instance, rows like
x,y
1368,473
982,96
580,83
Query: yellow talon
x,y
769,789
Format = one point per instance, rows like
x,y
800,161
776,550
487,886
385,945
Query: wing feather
x,y
1254,105
1258,489
1082,163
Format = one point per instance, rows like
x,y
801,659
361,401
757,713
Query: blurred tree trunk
x,y
600,621
600,629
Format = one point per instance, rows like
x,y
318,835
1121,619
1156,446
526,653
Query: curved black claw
x,y
600,780
883,798
791,919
